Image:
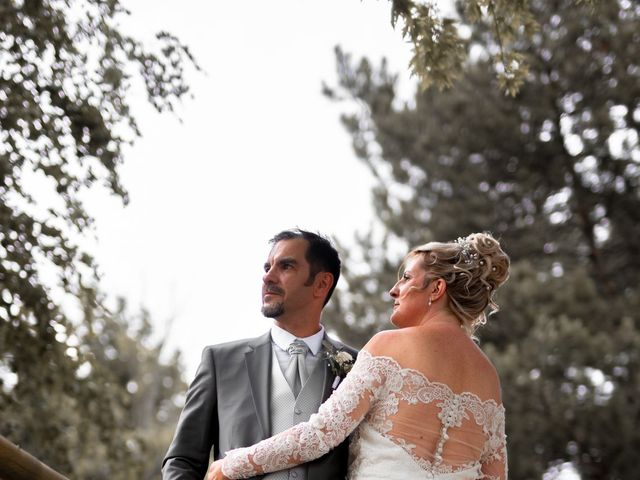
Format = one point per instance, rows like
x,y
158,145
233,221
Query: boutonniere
x,y
339,361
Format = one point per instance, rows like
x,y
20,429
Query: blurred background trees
x,y
109,411
554,173
90,396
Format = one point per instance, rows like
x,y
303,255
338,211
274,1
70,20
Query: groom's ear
x,y
322,283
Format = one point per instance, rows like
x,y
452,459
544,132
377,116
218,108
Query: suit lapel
x,y
329,376
258,361
335,466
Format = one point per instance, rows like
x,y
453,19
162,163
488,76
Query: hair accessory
x,y
467,252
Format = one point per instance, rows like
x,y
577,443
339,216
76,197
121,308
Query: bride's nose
x,y
394,291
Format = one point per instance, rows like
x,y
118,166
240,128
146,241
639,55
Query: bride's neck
x,y
441,317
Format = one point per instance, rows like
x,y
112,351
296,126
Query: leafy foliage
x,y
109,410
66,74
555,173
440,41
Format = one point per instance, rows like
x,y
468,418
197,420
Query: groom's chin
x,y
272,310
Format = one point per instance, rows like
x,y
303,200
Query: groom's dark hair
x,y
321,255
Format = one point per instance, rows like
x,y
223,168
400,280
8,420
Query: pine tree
x,y
554,173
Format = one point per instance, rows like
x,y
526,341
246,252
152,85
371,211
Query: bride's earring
x,y
429,304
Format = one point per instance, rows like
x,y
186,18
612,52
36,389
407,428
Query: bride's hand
x,y
215,471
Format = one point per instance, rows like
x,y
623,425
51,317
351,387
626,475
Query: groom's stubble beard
x,y
273,310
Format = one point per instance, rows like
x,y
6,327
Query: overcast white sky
x,y
259,150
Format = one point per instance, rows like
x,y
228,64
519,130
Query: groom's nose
x,y
268,276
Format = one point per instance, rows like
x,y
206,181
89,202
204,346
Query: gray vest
x,y
286,411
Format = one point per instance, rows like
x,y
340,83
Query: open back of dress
x,y
407,427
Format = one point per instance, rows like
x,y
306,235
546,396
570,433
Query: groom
x,y
248,390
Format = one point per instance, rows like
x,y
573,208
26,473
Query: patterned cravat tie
x,y
296,373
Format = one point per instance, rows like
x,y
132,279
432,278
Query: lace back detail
x,y
442,431
407,388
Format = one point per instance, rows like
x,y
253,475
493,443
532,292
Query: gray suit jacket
x,y
227,407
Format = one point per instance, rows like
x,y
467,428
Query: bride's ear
x,y
438,289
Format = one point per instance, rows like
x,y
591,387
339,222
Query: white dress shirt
x,y
281,339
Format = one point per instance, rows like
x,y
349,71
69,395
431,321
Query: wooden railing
x,y
16,464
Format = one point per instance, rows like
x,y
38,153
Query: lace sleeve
x,y
306,441
494,456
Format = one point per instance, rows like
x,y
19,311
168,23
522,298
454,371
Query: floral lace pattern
x,y
373,392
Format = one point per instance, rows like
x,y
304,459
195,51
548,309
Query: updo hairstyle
x,y
473,269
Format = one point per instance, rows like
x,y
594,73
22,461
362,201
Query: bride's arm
x,y
335,420
494,459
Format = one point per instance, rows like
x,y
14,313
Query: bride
x,y
422,401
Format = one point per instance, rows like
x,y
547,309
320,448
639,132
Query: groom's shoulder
x,y
343,346
239,345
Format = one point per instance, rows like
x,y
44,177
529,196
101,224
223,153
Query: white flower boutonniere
x,y
339,361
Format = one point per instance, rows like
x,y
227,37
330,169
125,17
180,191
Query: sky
x,y
259,149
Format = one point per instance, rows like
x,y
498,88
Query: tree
x,y
138,395
553,172
116,414
439,42
66,73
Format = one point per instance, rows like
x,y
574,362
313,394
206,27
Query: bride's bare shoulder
x,y
393,343
442,353
382,343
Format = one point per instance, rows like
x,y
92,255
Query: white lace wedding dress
x,y
405,427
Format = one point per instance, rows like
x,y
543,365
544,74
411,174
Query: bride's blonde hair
x,y
473,268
